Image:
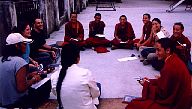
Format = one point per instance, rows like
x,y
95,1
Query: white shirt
x,y
79,89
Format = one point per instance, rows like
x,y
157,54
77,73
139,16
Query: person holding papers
x,y
96,33
124,34
183,44
74,32
172,90
15,80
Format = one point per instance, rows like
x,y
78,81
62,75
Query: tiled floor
x,y
117,78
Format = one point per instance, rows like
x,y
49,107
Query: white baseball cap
x,y
15,38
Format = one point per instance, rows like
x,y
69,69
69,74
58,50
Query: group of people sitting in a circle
x,y
76,88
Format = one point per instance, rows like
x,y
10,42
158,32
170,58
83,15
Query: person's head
x,y
16,45
164,48
97,17
156,23
123,19
24,29
146,18
38,24
73,17
178,29
70,55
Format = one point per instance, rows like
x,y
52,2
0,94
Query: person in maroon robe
x,y
74,32
183,44
96,27
172,90
145,32
124,34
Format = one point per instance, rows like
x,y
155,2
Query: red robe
x,y
171,91
184,53
125,33
96,28
76,33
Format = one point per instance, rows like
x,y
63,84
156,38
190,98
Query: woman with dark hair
x,y
14,77
25,30
76,89
157,32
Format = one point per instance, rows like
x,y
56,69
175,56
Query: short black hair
x,y
180,24
148,15
123,16
98,14
167,43
157,20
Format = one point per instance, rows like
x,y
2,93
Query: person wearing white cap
x,y
14,77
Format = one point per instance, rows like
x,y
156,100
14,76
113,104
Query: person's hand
x,y
145,79
157,76
54,49
35,63
53,54
180,47
36,78
138,45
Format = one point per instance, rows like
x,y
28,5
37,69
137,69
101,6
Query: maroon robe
x,y
96,28
184,53
171,91
76,33
146,32
125,33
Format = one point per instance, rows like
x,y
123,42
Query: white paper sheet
x,y
160,35
100,35
127,59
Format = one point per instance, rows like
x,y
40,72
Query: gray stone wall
x,y
7,21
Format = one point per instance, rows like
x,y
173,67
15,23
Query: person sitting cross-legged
x,y
15,78
124,34
143,41
76,88
74,32
96,27
172,90
183,44
39,49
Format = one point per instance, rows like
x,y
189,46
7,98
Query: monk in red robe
x,y
145,32
96,27
172,90
183,44
124,34
74,32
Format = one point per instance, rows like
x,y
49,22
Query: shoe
x,y
145,62
113,47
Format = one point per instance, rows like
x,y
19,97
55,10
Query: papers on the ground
x,y
128,98
100,35
127,59
160,35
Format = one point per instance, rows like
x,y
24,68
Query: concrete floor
x,y
117,78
